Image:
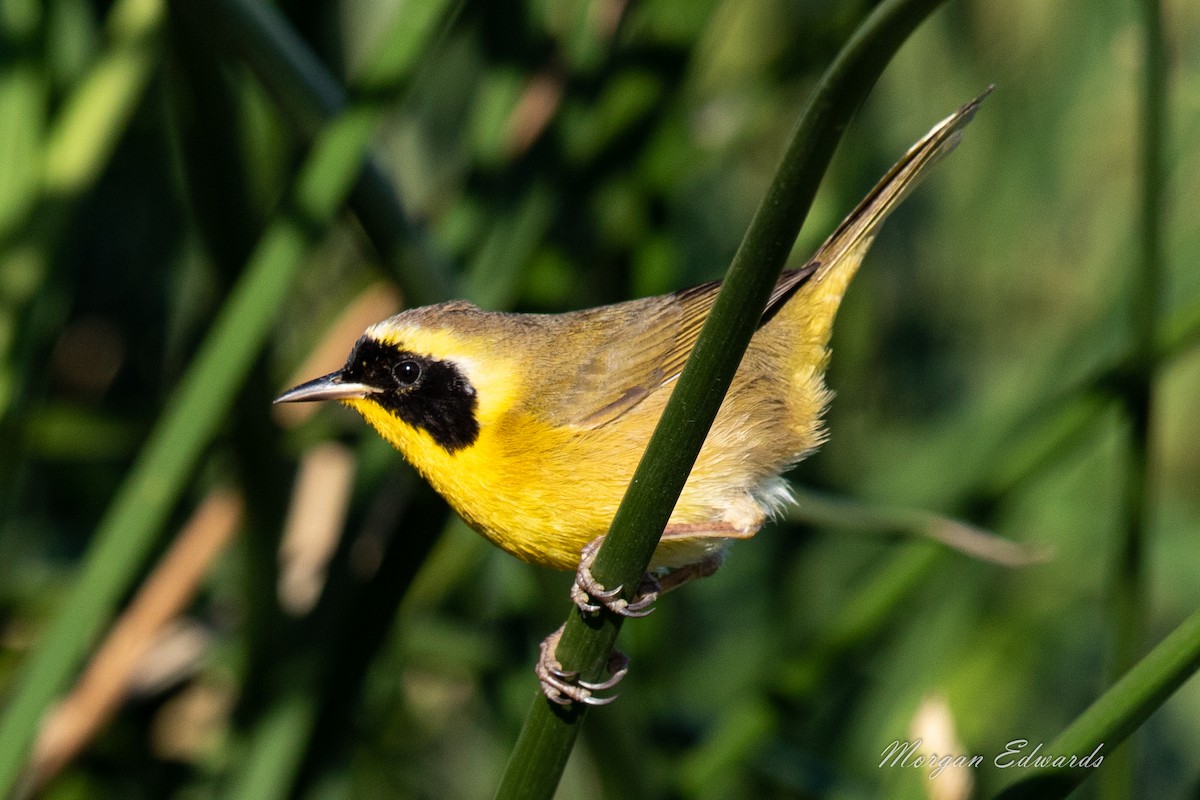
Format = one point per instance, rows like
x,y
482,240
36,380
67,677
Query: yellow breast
x,y
538,492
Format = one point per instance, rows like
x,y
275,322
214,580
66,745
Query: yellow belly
x,y
542,493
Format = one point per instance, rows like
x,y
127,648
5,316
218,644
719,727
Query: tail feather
x,y
837,260
863,223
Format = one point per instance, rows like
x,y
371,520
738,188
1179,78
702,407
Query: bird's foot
x,y
591,596
564,687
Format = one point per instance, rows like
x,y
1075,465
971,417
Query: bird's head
x,y
428,377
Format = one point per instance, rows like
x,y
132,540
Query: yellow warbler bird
x,y
531,425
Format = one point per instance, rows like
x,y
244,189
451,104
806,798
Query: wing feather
x,y
638,347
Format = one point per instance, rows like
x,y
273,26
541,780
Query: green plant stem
x,y
1116,714
1129,581
546,740
277,746
831,511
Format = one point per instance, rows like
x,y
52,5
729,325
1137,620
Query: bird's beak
x,y
329,387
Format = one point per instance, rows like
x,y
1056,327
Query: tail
x,y
863,223
836,261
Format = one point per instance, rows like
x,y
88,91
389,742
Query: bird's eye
x,y
407,373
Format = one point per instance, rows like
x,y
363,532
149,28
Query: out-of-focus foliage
x,y
563,155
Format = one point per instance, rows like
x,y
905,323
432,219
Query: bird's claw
x,y
591,596
564,687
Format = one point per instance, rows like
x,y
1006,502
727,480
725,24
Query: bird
x,y
531,425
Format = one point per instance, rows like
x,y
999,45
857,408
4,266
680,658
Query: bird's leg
x,y
677,577
591,596
564,687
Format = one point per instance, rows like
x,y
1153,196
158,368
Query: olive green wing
x,y
634,349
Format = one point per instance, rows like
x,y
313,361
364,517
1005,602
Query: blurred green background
x,y
553,156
